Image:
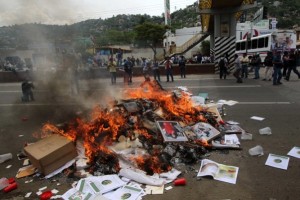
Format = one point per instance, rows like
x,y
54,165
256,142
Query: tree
x,y
205,47
150,35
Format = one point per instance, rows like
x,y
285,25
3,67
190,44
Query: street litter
x,y
46,195
43,188
10,187
26,171
168,188
3,183
180,181
256,151
54,191
257,118
226,142
227,102
142,138
246,136
28,194
149,189
295,152
278,161
265,131
218,171
5,157
26,162
50,153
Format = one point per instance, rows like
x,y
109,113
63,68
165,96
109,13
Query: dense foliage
x,y
119,29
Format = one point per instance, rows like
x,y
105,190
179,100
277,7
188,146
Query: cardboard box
x,y
51,153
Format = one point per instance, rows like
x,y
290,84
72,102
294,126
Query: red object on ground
x,y
24,119
11,180
221,122
180,181
46,195
11,187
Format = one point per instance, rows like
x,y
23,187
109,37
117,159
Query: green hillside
x,y
118,30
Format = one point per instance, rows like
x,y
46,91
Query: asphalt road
x,y
279,105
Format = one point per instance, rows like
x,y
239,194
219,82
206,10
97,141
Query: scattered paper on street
x,y
257,118
295,152
278,161
218,171
154,189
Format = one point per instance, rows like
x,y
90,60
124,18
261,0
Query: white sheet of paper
x,y
28,194
232,139
154,189
232,122
257,118
168,188
295,152
278,161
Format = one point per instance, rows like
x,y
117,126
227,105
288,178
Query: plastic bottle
x,y
11,187
3,183
5,157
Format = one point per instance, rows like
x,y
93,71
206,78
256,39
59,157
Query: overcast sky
x,y
70,11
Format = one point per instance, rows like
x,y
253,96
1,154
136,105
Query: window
x,y
249,45
261,42
267,42
243,45
254,44
238,46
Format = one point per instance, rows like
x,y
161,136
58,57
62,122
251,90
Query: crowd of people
x,y
149,68
277,65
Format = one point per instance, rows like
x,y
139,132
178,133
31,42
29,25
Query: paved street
x,y
279,105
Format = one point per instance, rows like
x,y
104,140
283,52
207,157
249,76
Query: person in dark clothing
x,y
277,66
169,69
155,70
292,65
27,91
257,64
128,71
285,60
181,65
223,63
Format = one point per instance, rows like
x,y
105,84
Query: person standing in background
x,y
155,70
168,67
245,63
257,64
112,68
223,63
285,60
292,65
238,69
268,62
119,57
277,66
181,65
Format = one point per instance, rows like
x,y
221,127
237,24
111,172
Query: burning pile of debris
x,y
168,126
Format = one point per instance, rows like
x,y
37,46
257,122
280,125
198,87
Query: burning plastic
x,y
135,117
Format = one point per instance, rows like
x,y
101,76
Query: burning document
x,y
205,131
171,131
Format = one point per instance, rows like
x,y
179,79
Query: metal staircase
x,y
188,45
